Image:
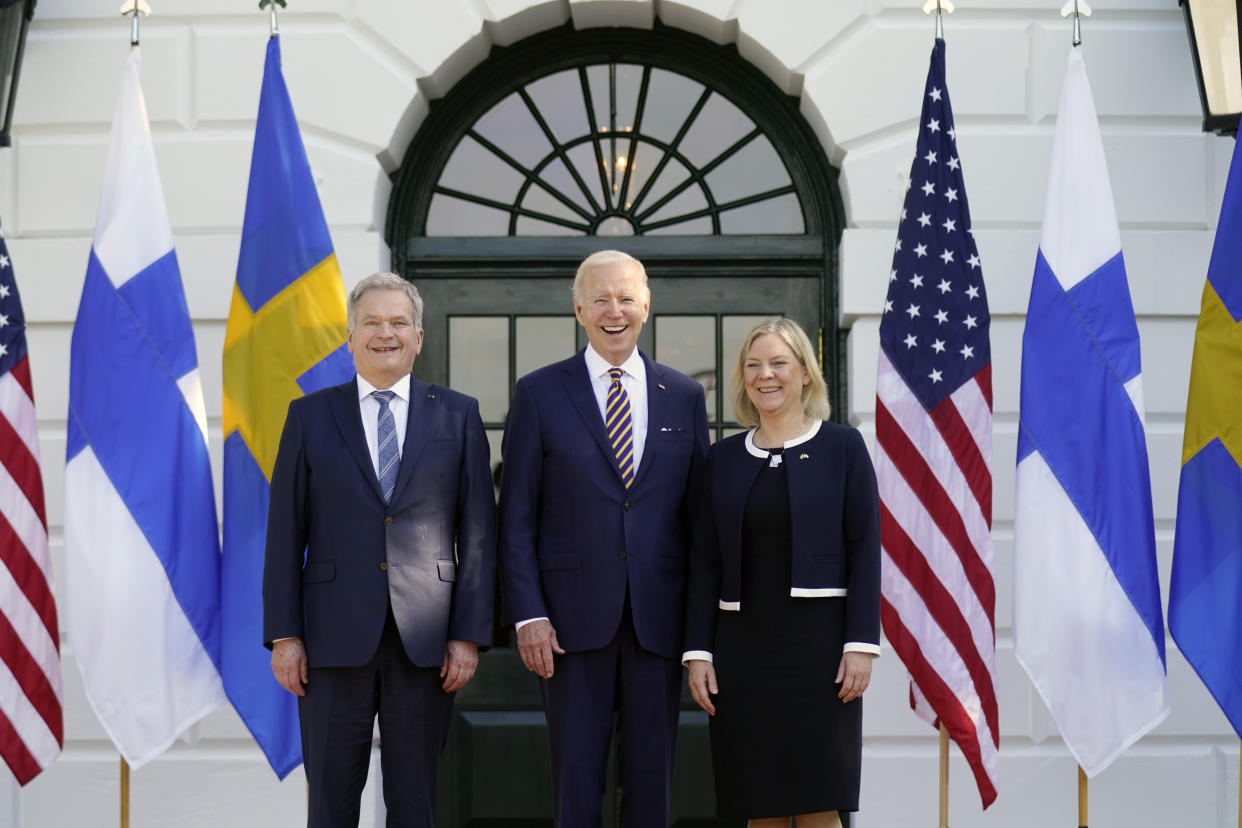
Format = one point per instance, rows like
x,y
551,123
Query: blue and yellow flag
x,y
285,338
1206,589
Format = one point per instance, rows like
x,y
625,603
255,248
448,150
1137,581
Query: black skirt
x,y
782,742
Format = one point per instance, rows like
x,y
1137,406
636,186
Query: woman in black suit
x,y
783,608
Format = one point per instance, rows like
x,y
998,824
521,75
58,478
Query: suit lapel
x,y
344,404
657,405
579,385
417,432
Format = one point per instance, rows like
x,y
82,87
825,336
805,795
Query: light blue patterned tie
x,y
386,435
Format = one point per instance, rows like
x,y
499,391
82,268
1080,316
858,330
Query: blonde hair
x,y
814,394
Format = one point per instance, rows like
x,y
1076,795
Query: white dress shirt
x,y
399,405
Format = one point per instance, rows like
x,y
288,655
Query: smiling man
x,y
380,568
602,457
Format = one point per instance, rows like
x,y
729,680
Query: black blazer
x,y
834,509
431,554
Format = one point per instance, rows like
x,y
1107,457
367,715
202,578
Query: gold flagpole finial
x,y
135,9
941,8
1078,9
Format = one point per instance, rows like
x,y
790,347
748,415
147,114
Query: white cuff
x,y
695,655
521,624
860,647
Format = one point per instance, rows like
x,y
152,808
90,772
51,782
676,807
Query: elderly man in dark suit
x,y
380,569
602,457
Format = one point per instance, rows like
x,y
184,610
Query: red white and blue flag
x,y
934,450
31,729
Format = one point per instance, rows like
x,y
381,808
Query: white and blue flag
x,y
142,553
1088,627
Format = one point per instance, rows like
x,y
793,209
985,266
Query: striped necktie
x,y
619,426
386,436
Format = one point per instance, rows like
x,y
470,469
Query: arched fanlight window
x,y
657,142
614,149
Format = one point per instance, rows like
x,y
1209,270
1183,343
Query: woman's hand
x,y
853,675
703,684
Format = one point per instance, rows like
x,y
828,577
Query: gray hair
x,y
606,258
385,281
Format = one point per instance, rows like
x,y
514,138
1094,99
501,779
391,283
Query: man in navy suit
x,y
602,458
380,568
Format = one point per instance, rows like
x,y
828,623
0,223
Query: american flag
x,y
933,458
31,730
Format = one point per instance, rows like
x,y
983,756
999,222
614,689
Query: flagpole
x,y
271,5
135,10
944,776
1082,798
1240,785
124,793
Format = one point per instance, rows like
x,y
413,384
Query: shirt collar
x,y
597,366
801,438
401,388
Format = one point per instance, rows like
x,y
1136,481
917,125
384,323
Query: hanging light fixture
x,y
1212,26
14,21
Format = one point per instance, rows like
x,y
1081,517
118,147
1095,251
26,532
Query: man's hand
x,y
461,659
537,642
854,675
703,684
289,665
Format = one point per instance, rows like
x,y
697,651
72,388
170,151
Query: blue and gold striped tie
x,y
619,426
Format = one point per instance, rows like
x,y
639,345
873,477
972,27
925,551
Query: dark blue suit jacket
x,y
572,537
431,553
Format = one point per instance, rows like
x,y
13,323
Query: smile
x,y
615,329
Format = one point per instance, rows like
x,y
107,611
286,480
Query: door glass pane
x,y
720,124
754,169
670,97
688,343
455,217
542,340
510,126
733,331
782,214
558,97
479,362
476,170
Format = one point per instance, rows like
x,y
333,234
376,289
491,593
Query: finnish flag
x,y
142,553
1088,627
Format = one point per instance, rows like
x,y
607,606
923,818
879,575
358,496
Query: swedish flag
x,y
1206,583
285,337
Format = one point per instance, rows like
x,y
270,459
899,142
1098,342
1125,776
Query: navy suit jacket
x,y
834,511
431,554
572,537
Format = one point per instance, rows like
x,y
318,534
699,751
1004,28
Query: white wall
x,y
361,73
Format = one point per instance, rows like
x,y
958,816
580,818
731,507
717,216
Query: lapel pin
x,y
804,457
660,385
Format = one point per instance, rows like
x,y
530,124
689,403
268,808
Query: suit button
x,y
622,556
388,521
383,564
627,506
